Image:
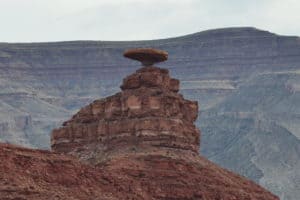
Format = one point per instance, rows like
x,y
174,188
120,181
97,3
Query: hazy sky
x,y
58,20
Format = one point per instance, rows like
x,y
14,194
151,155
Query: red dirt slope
x,y
35,174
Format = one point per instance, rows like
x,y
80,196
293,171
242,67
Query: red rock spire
x,y
148,115
144,143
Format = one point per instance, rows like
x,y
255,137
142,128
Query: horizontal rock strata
x,y
147,114
145,139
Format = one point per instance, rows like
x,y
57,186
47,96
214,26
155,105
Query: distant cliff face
x,y
247,81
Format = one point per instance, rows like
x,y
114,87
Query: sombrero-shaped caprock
x,y
146,56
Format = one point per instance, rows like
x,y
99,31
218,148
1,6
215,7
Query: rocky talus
x,y
27,174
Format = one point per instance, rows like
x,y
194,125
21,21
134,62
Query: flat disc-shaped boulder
x,y
146,56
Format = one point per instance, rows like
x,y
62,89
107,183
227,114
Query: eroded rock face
x,y
213,67
148,114
144,143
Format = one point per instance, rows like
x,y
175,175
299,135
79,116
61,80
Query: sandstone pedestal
x,y
147,116
144,143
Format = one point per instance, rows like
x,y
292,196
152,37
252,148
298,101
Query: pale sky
x,y
65,20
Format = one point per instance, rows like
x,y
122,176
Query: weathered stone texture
x,y
148,113
144,142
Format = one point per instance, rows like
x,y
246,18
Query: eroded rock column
x,y
148,115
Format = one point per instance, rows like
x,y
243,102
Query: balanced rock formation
x,y
145,141
146,56
147,116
